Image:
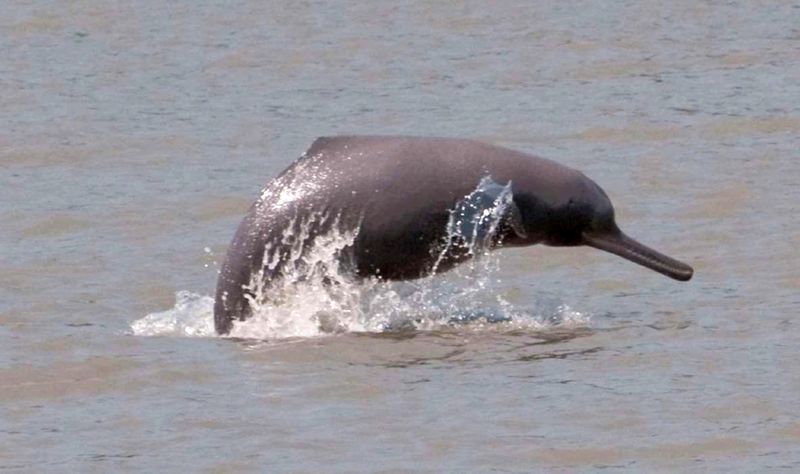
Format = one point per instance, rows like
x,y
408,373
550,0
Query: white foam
x,y
425,305
192,315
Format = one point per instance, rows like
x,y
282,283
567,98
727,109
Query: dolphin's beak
x,y
620,244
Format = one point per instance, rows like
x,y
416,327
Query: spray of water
x,y
314,294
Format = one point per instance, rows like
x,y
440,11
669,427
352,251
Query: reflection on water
x,y
134,137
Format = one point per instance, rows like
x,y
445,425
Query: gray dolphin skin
x,y
397,194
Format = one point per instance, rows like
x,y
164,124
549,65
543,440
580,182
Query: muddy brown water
x,y
135,136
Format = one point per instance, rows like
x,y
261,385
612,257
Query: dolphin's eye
x,y
603,220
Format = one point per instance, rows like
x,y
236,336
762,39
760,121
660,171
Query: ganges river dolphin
x,y
397,197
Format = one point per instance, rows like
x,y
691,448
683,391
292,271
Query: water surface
x,y
133,139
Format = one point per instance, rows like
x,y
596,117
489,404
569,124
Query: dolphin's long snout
x,y
620,244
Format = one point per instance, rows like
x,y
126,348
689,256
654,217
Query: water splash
x,y
474,221
305,288
192,315
308,290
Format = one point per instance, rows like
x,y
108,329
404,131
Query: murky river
x,y
133,137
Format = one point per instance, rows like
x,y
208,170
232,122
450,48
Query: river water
x,y
133,137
